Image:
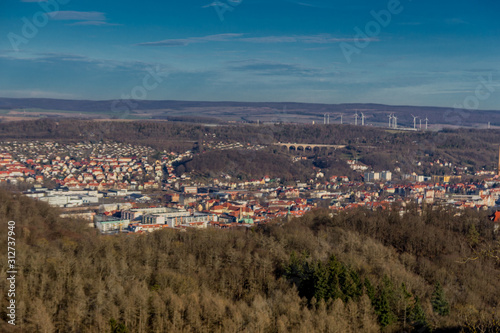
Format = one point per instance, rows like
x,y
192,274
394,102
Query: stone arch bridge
x,y
308,146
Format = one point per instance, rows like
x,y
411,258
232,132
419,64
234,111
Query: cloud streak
x,y
239,37
194,40
36,93
273,68
51,58
69,15
95,23
81,18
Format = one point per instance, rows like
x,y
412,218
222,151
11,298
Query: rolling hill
x,y
216,112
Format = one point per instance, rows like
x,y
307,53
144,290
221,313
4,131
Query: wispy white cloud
x,y
441,21
69,15
97,23
36,93
81,18
238,37
273,68
279,69
192,40
312,39
51,58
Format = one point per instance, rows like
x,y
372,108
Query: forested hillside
x,y
355,271
160,132
379,148
246,164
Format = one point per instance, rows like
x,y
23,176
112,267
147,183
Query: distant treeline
x,y
191,119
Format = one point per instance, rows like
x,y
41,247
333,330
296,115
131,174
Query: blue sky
x,y
426,53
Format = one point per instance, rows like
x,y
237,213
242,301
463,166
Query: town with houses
x,y
127,188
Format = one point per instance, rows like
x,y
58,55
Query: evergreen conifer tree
x,y
417,316
439,303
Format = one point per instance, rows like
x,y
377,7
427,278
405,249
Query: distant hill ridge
x,y
91,105
253,111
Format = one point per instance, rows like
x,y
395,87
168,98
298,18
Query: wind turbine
x,y
356,118
362,119
426,121
414,121
341,122
395,121
390,119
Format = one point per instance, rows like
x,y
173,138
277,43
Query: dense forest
x,y
355,271
242,164
248,164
